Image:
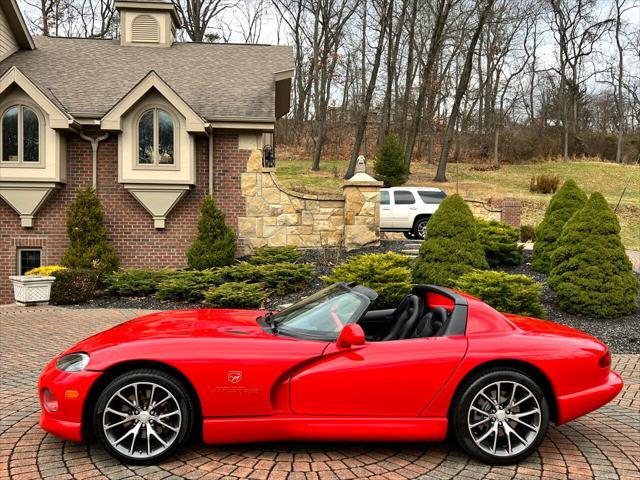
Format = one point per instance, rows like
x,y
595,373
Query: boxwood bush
x,y
389,274
280,278
236,295
518,294
187,285
73,286
452,247
591,272
136,282
567,201
500,243
270,255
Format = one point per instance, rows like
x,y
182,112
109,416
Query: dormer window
x,y
20,139
156,138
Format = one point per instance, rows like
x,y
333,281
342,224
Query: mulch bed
x,y
622,335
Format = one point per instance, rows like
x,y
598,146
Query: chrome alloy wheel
x,y
141,420
504,418
421,229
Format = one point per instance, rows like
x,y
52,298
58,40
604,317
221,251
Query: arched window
x,y
20,135
155,138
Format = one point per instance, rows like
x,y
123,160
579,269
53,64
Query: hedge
x,y
452,247
389,274
500,243
591,272
518,294
73,286
236,295
567,201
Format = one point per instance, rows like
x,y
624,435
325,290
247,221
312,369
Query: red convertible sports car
x,y
328,368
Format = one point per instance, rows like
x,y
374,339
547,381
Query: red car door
x,y
393,378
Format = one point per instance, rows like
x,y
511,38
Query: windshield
x,y
322,315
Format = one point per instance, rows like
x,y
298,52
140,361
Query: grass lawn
x,y
607,178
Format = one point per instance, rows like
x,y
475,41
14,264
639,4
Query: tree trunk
x,y
437,37
461,89
496,158
387,10
409,74
620,98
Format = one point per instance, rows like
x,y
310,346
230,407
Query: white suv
x,y
408,209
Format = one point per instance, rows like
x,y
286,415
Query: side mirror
x,y
350,336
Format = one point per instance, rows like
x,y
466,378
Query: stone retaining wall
x,y
275,216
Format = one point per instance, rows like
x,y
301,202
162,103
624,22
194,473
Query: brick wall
x,y
129,225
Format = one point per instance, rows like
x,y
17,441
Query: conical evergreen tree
x,y
390,167
215,245
591,272
88,243
566,201
452,247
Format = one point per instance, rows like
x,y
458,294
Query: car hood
x,y
176,324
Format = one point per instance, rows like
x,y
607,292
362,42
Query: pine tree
x,y
452,247
566,201
88,243
390,167
215,245
591,272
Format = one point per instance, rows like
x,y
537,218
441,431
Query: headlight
x,y
74,362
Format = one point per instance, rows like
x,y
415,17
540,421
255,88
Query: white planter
x,y
31,289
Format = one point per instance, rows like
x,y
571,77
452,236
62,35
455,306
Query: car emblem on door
x,y
234,376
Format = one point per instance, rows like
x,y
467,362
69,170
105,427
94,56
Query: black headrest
x,y
439,319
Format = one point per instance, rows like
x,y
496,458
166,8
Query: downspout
x,y
210,133
94,151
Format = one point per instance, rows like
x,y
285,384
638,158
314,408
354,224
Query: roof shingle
x,y
87,77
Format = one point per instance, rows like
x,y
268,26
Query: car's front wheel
x,y
501,416
143,415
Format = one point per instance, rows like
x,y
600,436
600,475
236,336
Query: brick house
x,y
153,124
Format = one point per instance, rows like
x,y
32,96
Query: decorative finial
x,y
361,166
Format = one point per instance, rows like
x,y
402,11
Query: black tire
x,y
419,226
409,235
144,377
461,415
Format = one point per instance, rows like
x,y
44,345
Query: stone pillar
x,y
510,211
361,210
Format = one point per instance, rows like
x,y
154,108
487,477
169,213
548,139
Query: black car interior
x,y
414,318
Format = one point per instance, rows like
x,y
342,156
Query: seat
x,y
404,318
432,323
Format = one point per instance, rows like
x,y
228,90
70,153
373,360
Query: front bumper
x,y
71,390
580,403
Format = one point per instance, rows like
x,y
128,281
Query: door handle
x,y
413,208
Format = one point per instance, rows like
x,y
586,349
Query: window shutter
x,y
145,29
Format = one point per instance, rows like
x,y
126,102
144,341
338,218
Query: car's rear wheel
x,y
420,228
143,415
501,416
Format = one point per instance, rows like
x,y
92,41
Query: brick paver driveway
x,y
605,444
